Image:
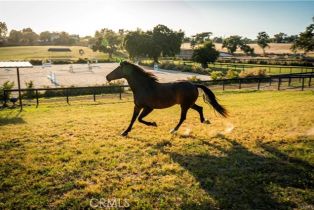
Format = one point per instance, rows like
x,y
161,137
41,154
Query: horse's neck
x,y
138,84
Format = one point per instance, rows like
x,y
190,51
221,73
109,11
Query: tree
x,y
202,37
3,32
263,40
218,40
232,43
135,43
15,37
305,41
107,41
45,37
29,37
205,54
291,38
247,49
164,42
280,37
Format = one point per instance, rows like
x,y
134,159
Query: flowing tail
x,y
211,98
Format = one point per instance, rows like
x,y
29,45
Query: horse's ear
x,y
123,62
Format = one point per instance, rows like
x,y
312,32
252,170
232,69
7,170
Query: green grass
x,y
41,52
61,156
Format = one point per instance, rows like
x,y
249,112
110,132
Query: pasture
x,y
41,52
261,157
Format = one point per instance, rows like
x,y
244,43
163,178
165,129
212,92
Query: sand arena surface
x,y
81,75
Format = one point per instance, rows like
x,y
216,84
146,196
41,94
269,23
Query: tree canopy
x,y
107,41
3,32
205,54
263,40
161,41
233,42
305,41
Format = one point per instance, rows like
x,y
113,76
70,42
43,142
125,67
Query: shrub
x,y
36,62
112,87
7,85
62,62
29,93
81,60
216,75
255,72
231,74
193,79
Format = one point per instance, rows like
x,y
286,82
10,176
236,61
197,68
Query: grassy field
x,y
41,52
261,157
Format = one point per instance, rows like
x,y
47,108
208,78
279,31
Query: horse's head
x,y
119,72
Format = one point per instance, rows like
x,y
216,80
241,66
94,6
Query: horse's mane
x,y
142,72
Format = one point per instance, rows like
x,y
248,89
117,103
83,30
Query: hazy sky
x,y
245,18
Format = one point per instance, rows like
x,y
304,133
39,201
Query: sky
x,y
223,18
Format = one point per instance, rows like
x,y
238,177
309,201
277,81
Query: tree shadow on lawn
x,y
241,179
11,118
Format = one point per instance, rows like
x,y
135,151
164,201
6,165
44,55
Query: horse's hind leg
x,y
184,110
199,109
144,113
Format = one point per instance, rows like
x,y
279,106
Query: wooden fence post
x,y
302,88
279,83
120,93
258,83
269,81
5,98
239,83
67,94
310,80
289,83
94,95
37,101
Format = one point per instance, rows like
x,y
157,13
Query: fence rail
x,y
275,82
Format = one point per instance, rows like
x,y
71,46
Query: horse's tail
x,y
211,98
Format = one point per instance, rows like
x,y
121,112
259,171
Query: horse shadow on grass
x,y
241,179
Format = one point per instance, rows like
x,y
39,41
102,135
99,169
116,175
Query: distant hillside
x,y
275,48
41,52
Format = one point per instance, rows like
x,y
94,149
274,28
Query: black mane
x,y
142,72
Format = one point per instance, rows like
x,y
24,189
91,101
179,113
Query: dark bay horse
x,y
149,94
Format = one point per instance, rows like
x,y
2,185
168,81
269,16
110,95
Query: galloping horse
x,y
149,94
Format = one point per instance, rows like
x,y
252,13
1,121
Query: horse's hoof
x,y
173,131
154,124
206,121
124,133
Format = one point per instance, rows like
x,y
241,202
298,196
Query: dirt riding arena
x,y
80,75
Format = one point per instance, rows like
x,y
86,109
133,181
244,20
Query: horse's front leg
x,y
135,114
